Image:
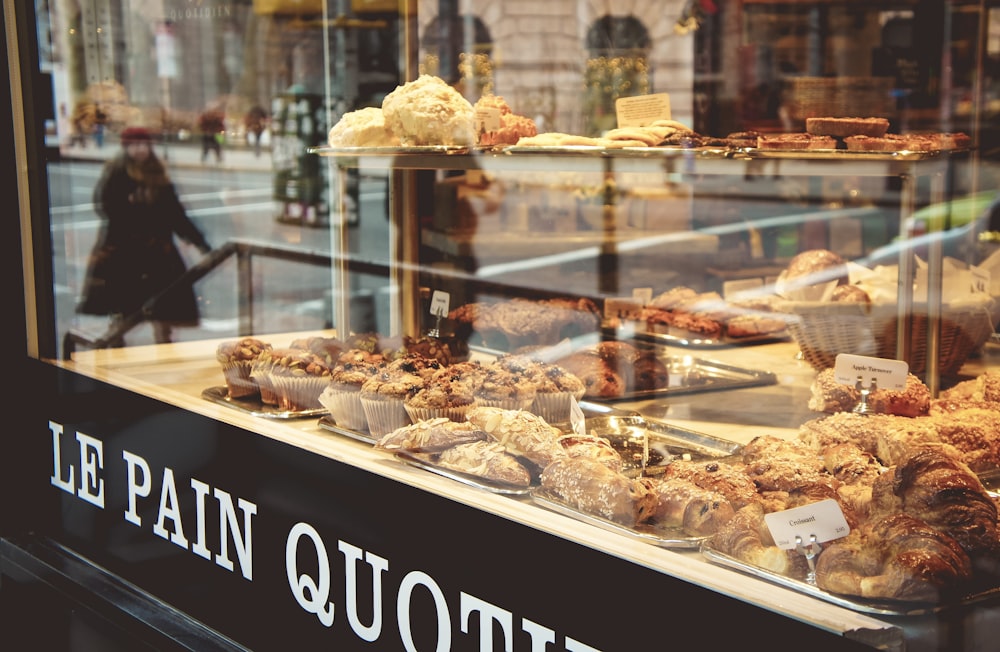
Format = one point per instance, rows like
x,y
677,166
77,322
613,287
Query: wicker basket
x,y
822,329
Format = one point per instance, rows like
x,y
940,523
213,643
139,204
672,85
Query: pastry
x,y
898,557
362,128
683,504
795,141
512,128
745,537
593,447
521,433
427,111
431,436
842,127
484,459
591,487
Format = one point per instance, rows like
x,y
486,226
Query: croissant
x,y
942,491
898,557
593,488
745,537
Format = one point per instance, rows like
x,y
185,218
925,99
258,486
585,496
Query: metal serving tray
x,y
255,407
880,607
326,422
663,537
693,375
426,462
679,337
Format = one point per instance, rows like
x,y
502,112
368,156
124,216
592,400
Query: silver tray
x,y
253,406
326,422
845,155
389,151
666,151
691,375
679,337
662,537
425,463
880,607
647,445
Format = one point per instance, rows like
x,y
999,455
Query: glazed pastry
x,y
593,447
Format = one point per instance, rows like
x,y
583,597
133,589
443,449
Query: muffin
x,y
260,373
299,377
237,358
342,396
556,391
444,395
329,348
500,387
383,395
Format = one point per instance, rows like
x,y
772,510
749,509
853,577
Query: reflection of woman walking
x,y
135,256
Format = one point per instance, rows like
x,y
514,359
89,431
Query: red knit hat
x,y
136,135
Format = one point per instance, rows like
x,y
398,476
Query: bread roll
x,y
815,266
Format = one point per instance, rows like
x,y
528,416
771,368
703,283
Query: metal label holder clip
x,y
863,407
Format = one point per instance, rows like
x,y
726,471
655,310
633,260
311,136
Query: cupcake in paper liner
x,y
442,396
342,397
236,358
299,378
384,414
382,396
260,373
344,406
502,388
556,391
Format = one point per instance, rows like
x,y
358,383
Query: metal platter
x,y
255,407
426,462
879,607
693,375
326,422
663,537
679,337
389,151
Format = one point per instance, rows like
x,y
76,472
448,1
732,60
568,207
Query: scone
x,y
362,128
427,111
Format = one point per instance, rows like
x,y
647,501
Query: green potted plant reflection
x,y
607,79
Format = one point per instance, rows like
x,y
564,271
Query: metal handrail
x,y
244,251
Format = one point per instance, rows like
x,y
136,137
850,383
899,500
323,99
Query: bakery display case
x,y
538,354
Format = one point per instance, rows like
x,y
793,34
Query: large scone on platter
x,y
362,128
427,111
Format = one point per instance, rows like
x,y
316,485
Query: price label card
x,y
641,110
823,520
887,374
622,308
439,303
642,296
487,119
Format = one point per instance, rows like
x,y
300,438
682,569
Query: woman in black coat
x,y
135,256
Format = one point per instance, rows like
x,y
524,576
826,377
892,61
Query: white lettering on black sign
x,y
78,469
